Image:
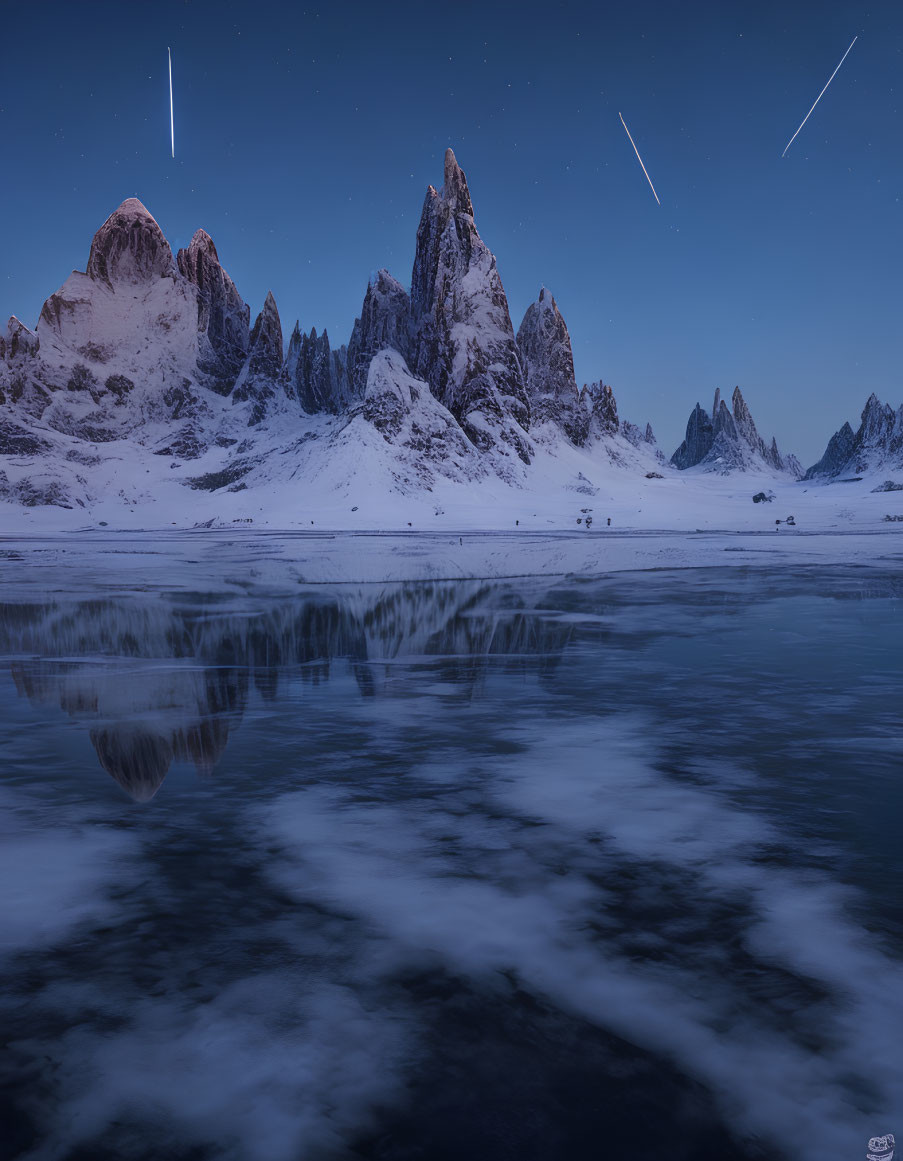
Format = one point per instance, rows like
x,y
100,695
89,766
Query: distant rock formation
x,y
878,443
728,441
263,366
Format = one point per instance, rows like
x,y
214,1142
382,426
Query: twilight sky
x,y
306,137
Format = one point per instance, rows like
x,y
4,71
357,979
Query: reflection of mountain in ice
x,y
160,683
491,869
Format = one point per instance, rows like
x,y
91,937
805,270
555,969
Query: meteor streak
x,y
820,95
639,159
172,132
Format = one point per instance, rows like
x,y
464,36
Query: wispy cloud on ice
x,y
54,879
266,1071
521,885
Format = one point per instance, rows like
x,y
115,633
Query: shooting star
x,y
639,159
820,95
172,132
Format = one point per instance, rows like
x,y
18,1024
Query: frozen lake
x,y
508,869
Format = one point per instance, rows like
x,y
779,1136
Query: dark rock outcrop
x,y
837,455
599,399
263,366
312,375
223,317
547,361
698,441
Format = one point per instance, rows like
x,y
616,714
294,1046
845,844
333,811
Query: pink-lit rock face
x,y
130,247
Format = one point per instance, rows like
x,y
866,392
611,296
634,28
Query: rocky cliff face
x,y
223,318
463,342
603,409
878,443
312,375
547,361
385,324
129,247
263,366
728,441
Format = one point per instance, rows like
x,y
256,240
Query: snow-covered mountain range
x,y
877,445
728,441
144,383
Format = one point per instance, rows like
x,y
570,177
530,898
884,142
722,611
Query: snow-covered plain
x,y
486,528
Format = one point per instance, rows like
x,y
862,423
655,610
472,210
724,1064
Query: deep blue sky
x,y
306,137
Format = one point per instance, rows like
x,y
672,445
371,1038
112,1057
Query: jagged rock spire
x,y
263,367
877,443
603,408
462,339
723,421
728,441
223,317
265,344
698,441
310,374
454,191
547,361
130,247
384,324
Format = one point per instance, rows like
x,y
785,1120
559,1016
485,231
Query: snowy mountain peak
x,y
130,247
19,340
462,340
878,443
455,190
202,242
